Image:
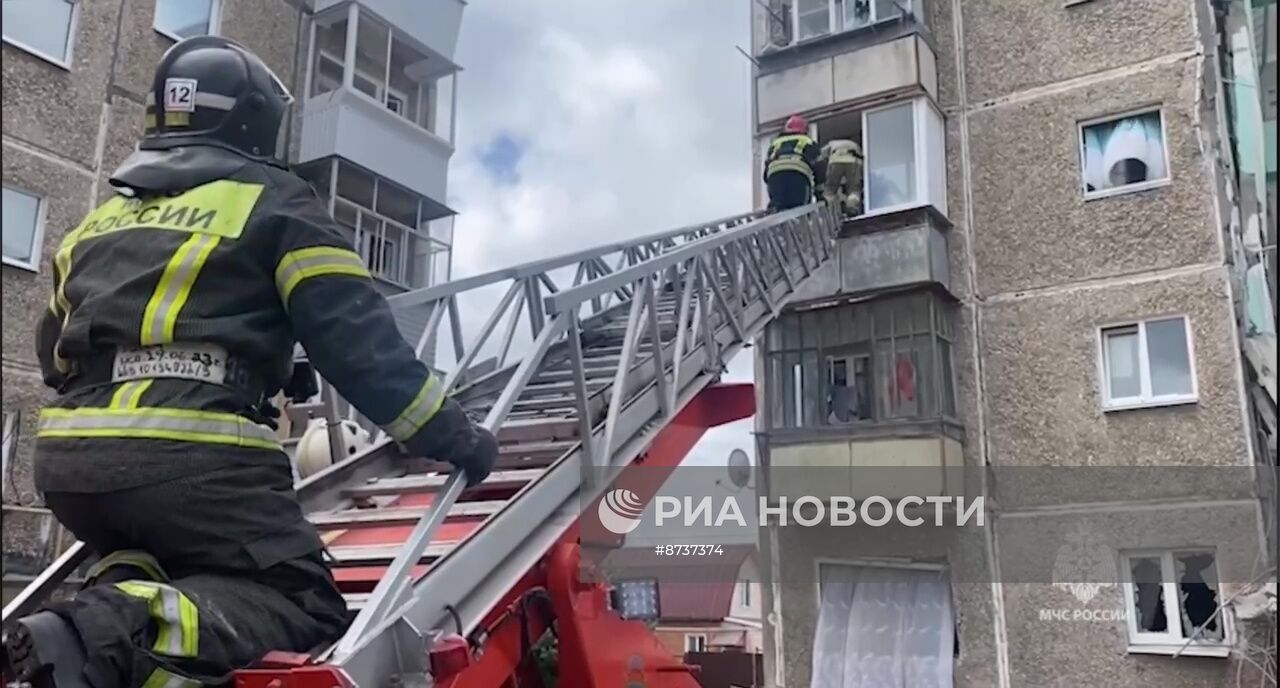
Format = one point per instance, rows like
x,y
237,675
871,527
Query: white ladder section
x,y
607,361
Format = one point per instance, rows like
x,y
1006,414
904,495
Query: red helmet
x,y
796,125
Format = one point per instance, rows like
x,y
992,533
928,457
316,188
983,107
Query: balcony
x,y
860,399
380,99
402,237
885,253
928,465
821,84
433,23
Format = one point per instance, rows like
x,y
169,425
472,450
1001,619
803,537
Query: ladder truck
x,y
451,585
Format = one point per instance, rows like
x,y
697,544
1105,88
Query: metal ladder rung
x,y
419,484
562,388
381,555
542,429
355,600
396,516
566,402
592,374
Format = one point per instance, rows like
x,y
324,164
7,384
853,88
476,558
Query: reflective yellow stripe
x,y
419,411
59,304
129,557
161,678
183,425
176,617
789,166
129,395
801,141
174,287
220,208
305,263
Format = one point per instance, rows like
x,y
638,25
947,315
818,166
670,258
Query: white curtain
x,y
883,628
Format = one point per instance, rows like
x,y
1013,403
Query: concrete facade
x,y
1031,266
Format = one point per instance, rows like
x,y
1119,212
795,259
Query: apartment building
x,y
374,84
1058,296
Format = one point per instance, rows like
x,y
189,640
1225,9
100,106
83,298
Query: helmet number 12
x,y
179,95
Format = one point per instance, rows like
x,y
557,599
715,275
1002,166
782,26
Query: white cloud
x,y
630,118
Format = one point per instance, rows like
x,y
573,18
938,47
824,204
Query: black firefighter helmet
x,y
211,91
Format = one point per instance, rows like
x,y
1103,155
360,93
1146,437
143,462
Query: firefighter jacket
x,y
174,315
842,151
792,153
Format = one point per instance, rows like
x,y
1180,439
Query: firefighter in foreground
x,y
175,310
791,166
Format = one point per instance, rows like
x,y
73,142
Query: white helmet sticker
x,y
179,95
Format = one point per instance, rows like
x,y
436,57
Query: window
x,y
882,626
23,228
695,642
904,164
859,363
329,46
1147,363
1123,154
388,68
744,596
43,28
179,19
815,18
1172,597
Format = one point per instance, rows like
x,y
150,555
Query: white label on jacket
x,y
180,95
199,362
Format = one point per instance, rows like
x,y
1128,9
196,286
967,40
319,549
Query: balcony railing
x,y
394,252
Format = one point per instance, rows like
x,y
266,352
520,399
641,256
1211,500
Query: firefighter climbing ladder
x,y
643,328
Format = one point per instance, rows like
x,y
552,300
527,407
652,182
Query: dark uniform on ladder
x,y
175,310
791,166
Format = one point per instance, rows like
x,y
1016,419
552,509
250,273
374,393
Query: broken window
x,y
862,362
1172,597
882,626
1147,363
1123,154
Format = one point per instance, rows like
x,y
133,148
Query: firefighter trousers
x,y
789,189
200,576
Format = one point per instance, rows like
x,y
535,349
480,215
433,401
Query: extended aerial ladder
x,y
451,582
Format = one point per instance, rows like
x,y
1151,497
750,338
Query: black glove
x,y
451,436
474,450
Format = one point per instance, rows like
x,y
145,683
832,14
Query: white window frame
x,y
1130,188
72,25
930,190
1145,399
917,150
355,15
215,22
835,19
9,444
695,637
744,595
1172,641
37,232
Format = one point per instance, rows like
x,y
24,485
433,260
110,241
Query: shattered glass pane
x,y
1198,596
1148,595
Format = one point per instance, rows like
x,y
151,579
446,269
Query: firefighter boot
x,y
46,652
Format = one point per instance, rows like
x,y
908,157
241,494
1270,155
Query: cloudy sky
x,y
582,122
